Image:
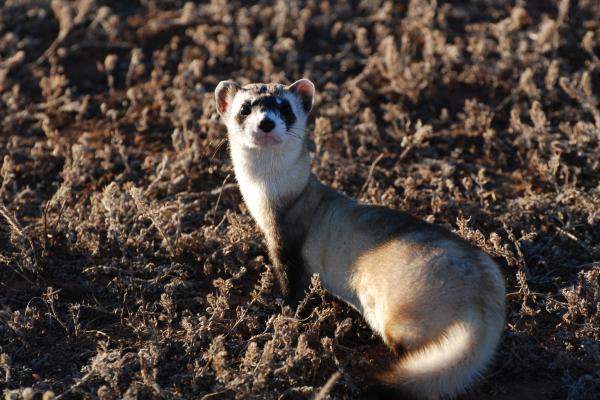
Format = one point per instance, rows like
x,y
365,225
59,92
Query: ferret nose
x,y
266,125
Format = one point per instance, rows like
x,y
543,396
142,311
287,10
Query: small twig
x,y
572,237
17,270
45,220
328,386
592,264
238,321
307,297
406,151
211,395
63,14
16,227
216,228
220,193
567,234
347,376
160,174
14,224
59,216
48,299
97,332
582,98
370,175
83,380
536,294
218,190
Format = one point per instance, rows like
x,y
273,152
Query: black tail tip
x,y
381,391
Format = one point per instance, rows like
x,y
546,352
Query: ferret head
x,y
265,115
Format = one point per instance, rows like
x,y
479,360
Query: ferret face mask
x,y
265,115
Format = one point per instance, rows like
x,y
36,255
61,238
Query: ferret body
x,y
420,287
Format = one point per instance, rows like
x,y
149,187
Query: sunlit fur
x,y
267,174
420,287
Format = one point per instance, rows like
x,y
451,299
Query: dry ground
x,y
129,267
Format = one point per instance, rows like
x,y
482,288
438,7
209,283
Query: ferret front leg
x,y
299,283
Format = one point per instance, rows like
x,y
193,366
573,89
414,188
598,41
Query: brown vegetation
x,y
129,267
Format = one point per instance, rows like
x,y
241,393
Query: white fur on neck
x,y
268,176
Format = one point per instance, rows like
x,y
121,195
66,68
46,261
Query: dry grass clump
x,y
130,268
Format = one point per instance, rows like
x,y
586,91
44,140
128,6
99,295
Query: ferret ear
x,y
305,90
224,94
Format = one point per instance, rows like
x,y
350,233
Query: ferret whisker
x,y
294,135
298,129
221,143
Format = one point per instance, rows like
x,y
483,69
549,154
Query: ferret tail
x,y
447,366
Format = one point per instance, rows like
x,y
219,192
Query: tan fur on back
x,y
419,288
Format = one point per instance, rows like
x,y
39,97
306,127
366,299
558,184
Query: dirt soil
x,y
129,265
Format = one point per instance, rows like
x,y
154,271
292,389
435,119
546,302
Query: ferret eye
x,y
286,109
245,110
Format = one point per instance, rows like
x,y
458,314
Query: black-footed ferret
x,y
419,286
